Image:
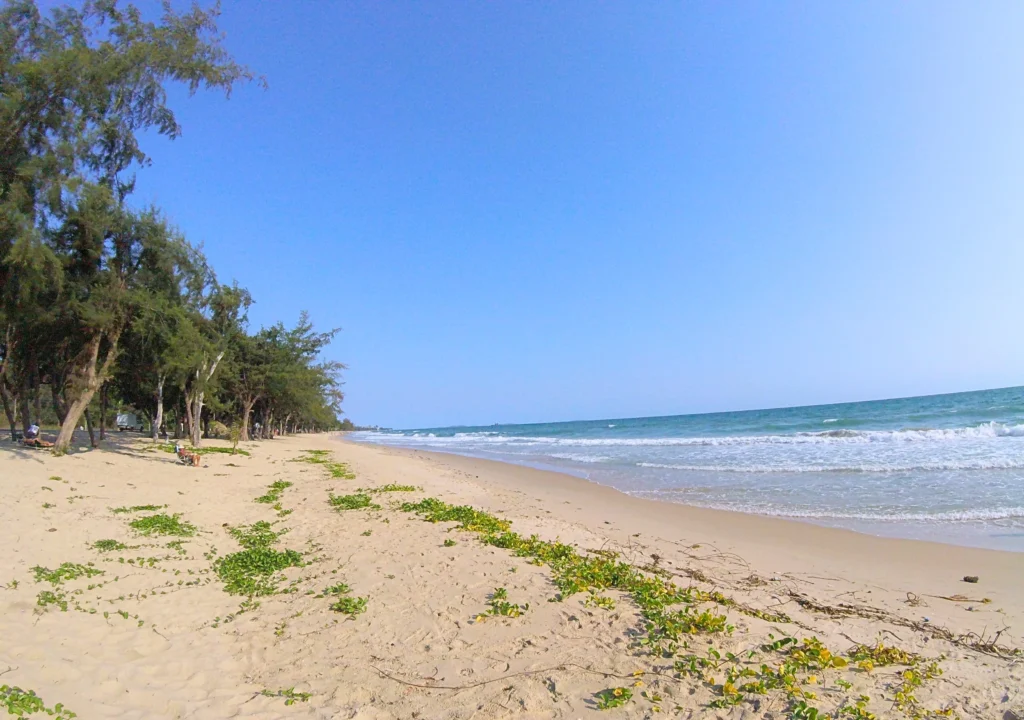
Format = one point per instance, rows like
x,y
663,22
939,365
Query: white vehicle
x,y
129,421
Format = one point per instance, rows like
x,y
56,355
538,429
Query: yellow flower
x,y
479,618
617,692
638,683
638,673
812,679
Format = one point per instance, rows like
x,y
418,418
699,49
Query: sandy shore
x,y
156,635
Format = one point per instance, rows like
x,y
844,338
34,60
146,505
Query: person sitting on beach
x,y
32,438
186,456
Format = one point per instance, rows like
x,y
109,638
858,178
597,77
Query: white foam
x,y
578,457
976,515
967,464
909,435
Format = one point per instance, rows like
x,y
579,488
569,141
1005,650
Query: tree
x,y
75,89
201,346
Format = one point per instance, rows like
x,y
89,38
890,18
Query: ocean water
x,y
942,467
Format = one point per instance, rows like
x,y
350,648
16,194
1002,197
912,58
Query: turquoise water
x,y
941,467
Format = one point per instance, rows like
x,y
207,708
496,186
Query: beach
x,y
388,616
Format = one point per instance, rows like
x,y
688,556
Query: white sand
x,y
418,628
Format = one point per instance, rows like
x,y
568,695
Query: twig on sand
x,y
524,673
970,640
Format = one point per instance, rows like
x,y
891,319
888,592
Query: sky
x,y
527,212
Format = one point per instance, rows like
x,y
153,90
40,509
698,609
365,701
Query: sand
x,y
418,651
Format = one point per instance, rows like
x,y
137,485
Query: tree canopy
x,y
101,300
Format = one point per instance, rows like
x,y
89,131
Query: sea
x,y
946,468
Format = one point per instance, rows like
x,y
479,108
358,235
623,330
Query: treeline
x,y
103,304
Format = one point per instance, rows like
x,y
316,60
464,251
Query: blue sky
x,y
551,211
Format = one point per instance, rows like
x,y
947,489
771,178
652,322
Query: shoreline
x,y
382,612
861,526
761,539
962,535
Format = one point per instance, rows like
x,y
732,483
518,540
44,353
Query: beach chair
x,y
186,456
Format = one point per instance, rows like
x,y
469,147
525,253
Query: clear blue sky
x,y
548,211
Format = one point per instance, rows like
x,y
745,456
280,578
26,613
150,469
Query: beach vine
x,y
323,458
671,616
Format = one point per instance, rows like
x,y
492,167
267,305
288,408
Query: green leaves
x,y
613,698
108,545
322,457
358,501
66,571
254,571
20,703
350,606
257,535
274,492
290,696
163,524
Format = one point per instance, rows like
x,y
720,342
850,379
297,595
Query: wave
x,y
845,436
945,516
830,420
987,464
577,457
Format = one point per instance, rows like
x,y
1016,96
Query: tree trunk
x,y
203,376
159,421
10,409
197,419
103,412
59,407
86,379
243,433
23,405
88,425
188,414
37,401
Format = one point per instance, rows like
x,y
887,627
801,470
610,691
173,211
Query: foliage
x,y
103,296
207,450
322,457
137,508
498,604
108,545
66,571
290,696
48,597
350,606
257,535
357,501
254,571
671,615
613,698
20,703
274,493
76,262
163,524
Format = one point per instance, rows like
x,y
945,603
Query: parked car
x,y
129,421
